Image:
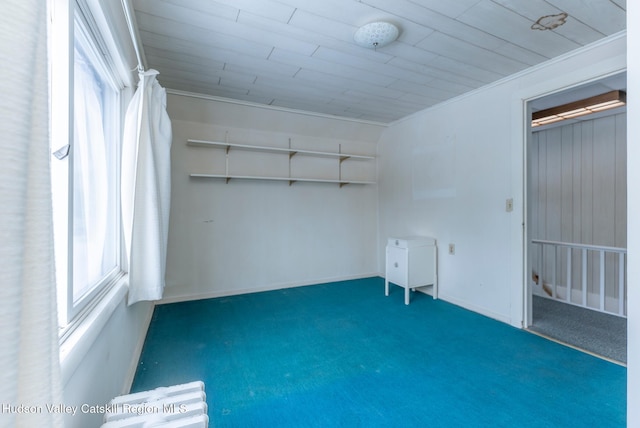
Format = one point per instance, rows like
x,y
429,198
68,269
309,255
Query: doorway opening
x,y
577,225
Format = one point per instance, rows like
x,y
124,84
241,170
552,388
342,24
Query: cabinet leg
x,y
406,295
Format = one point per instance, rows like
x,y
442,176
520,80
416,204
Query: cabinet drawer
x,y
397,265
410,242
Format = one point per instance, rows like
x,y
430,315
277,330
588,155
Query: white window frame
x,y
67,17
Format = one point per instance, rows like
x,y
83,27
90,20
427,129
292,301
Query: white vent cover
x,y
179,406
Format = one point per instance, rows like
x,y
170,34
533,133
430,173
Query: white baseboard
x,y
478,309
270,287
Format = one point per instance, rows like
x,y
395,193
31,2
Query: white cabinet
x,y
411,263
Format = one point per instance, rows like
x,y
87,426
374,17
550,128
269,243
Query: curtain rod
x,y
137,47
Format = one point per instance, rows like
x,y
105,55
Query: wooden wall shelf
x,y
290,152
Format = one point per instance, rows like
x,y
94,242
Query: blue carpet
x,y
343,354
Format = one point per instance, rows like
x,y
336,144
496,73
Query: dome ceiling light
x,y
376,34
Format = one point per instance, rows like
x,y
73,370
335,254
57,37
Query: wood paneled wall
x,y
577,192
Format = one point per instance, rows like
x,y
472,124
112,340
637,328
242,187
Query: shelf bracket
x,y
291,154
340,164
226,155
226,141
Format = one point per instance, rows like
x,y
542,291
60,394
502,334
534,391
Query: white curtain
x,y
29,354
146,188
90,187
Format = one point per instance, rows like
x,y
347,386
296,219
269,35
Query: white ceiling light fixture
x,y
376,34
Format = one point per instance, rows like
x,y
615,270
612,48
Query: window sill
x,y
76,342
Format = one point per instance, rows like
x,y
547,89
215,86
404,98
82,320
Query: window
x,y
95,150
86,135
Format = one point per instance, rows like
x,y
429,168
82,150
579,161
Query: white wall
x,y
633,225
578,182
448,171
578,194
241,236
108,361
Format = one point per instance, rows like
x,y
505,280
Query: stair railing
x,y
569,248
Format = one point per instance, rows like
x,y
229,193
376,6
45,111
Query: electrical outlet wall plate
x,y
509,205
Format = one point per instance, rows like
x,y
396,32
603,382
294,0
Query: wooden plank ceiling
x,y
300,54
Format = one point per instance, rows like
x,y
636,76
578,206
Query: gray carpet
x,y
593,331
